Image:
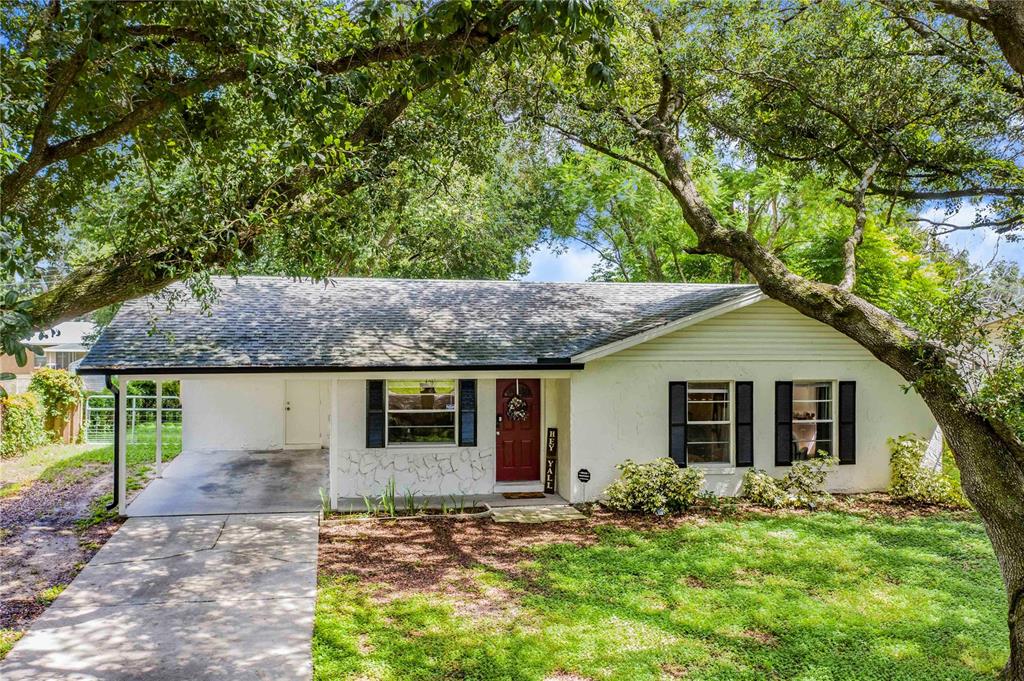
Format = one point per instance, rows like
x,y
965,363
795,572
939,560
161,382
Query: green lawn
x,y
820,597
52,461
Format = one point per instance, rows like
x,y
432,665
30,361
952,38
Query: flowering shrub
x,y
762,489
658,487
802,487
22,424
59,392
911,482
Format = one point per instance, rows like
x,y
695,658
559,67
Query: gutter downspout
x,y
117,437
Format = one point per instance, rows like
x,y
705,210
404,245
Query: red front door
x,y
518,429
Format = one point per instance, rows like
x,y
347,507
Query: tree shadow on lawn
x,y
831,596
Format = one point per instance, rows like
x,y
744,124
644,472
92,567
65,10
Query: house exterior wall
x,y
424,469
619,405
434,469
241,412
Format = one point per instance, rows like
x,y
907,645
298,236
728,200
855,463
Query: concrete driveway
x,y
251,481
195,597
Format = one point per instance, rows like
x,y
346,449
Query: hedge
x,y
22,424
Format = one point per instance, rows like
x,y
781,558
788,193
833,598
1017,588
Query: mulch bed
x,y
430,556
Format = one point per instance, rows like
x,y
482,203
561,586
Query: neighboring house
x,y
452,387
62,346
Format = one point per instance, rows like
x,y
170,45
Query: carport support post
x,y
122,444
159,428
332,459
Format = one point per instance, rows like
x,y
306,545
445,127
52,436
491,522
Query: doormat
x,y
523,495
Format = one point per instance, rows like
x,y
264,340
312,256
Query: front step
x,y
536,514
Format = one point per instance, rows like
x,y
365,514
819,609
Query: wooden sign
x,y
551,461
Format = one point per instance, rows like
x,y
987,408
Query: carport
x,y
239,478
247,481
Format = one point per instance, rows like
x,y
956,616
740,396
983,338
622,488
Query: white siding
x,y
763,331
619,406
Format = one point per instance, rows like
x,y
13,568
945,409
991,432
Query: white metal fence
x,y
141,417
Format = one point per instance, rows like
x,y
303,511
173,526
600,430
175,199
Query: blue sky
x,y
576,263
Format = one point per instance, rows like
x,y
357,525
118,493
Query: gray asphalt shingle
x,y
273,322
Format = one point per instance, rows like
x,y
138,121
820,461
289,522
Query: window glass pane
x,y
707,452
810,439
422,418
707,402
697,434
421,395
400,434
421,411
709,429
812,401
707,411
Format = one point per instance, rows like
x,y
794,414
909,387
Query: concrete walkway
x,y
194,597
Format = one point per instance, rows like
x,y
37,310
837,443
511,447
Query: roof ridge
x,y
313,280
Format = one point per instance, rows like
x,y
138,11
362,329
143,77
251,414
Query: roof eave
x,y
546,365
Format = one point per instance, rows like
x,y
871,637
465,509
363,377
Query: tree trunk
x,y
990,456
994,482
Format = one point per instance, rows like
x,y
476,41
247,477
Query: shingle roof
x,y
272,322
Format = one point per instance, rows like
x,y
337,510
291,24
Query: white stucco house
x,y
476,387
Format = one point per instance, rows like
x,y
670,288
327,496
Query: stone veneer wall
x,y
421,470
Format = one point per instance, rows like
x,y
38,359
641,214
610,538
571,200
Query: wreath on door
x,y
516,408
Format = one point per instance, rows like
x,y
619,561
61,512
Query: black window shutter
x,y
467,412
374,414
744,423
783,423
847,422
677,421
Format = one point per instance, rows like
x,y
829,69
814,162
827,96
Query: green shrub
x,y
22,424
762,489
911,482
59,392
658,487
802,487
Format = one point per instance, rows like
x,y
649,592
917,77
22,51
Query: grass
x,y
827,596
48,596
8,637
53,461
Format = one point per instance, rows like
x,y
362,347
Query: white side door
x,y
302,414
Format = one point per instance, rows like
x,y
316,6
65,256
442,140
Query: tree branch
x,y
1004,19
473,37
1000,226
856,237
942,195
603,149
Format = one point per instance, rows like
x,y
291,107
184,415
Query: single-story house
x,y
62,347
477,387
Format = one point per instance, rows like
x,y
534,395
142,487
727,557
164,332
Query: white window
x,y
708,422
812,419
421,412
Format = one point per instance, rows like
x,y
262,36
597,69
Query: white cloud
x,y
982,244
574,264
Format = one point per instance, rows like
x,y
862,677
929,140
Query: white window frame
x,y
833,403
388,411
731,402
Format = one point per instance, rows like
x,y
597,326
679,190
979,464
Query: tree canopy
x,y
794,144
